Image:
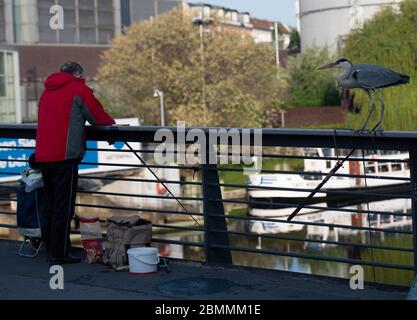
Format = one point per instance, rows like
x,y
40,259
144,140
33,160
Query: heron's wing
x,y
373,76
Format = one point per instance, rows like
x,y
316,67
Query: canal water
x,y
312,266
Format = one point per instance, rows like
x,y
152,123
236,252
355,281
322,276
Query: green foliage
x,y
232,82
389,39
295,42
307,86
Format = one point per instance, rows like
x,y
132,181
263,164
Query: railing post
x,y
211,192
413,176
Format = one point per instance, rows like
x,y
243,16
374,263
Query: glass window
x,y
371,169
2,76
396,167
86,21
125,12
46,34
7,88
69,34
166,5
2,22
383,168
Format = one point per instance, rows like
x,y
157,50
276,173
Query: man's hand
x,y
114,127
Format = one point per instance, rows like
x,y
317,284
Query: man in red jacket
x,y
66,103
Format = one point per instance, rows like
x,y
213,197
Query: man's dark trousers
x,y
61,181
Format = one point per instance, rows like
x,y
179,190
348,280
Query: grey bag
x,y
124,233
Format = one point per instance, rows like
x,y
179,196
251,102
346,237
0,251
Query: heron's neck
x,y
347,67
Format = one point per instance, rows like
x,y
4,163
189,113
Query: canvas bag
x,y
124,233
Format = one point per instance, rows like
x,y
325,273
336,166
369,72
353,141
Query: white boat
x,y
345,218
282,193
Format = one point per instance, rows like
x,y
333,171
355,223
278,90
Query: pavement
x,y
25,278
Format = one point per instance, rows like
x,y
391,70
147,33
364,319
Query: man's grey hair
x,y
72,68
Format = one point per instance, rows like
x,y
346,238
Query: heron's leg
x,y
378,126
371,99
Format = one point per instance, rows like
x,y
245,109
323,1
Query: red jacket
x,y
66,103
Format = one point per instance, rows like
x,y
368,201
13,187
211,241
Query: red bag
x,y
91,239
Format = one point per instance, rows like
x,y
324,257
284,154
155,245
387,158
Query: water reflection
x,y
353,234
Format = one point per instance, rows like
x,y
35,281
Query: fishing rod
x,y
331,173
161,182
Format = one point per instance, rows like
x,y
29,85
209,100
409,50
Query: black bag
x,y
30,210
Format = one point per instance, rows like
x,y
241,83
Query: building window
x,y
85,21
2,22
144,9
7,88
125,13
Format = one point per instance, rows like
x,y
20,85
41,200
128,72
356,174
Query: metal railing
x,y
218,238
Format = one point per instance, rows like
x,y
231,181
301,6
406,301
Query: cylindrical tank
x,y
326,22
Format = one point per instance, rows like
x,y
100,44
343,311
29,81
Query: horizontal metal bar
x,y
7,213
121,165
311,257
178,242
353,193
17,147
325,138
330,225
140,166
141,180
314,173
8,226
139,195
157,240
284,156
319,208
347,244
9,173
167,226
263,155
140,209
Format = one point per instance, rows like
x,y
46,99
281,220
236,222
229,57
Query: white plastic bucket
x,y
143,260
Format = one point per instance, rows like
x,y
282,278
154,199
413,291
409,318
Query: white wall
x,y
325,22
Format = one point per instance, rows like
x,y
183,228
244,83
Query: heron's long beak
x,y
327,66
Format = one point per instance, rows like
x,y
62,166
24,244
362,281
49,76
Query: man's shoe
x,y
63,260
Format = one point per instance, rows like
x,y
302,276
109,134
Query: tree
x,y
295,43
389,39
307,86
232,82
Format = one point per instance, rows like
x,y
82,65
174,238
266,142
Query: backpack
x,y
124,233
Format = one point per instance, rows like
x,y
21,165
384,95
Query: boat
x,y
399,218
268,192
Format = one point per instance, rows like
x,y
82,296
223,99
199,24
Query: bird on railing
x,y
369,77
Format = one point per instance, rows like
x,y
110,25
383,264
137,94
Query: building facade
x,y
30,49
261,30
327,22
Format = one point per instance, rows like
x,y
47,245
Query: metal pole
x,y
214,215
413,184
277,45
162,105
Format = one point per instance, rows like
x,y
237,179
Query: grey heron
x,y
369,77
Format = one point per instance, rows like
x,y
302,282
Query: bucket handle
x,y
146,262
